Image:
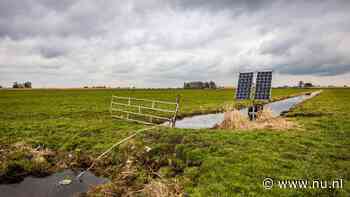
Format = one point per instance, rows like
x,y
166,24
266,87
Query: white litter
x,y
147,148
65,182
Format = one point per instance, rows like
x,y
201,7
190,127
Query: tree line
x,y
26,84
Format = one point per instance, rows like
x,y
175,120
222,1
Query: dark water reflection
x,y
49,186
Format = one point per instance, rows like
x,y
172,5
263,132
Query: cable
x,y
113,146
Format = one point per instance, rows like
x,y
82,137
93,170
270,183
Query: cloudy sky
x,y
162,43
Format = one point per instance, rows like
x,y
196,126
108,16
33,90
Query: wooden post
x,y
176,111
110,109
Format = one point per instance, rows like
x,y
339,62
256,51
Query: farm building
x,y
199,85
305,85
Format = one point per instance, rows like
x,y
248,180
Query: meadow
x,y
58,118
76,126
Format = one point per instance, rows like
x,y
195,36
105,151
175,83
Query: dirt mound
x,y
234,120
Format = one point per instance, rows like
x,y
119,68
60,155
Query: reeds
x,y
233,119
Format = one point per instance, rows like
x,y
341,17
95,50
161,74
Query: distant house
x,y
194,85
308,85
301,84
199,85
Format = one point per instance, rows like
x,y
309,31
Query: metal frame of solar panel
x,y
245,82
263,85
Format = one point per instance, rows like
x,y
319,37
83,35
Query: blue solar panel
x,y
245,81
263,85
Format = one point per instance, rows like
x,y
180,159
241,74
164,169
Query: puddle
x,y
209,120
49,186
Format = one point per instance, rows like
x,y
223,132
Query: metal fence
x,y
145,111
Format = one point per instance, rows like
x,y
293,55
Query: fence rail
x,y
149,100
128,106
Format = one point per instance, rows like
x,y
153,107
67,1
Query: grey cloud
x,y
163,41
321,70
280,46
237,5
52,52
55,67
60,5
122,69
29,18
307,55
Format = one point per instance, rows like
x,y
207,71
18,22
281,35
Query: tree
x,y
28,84
206,85
186,85
15,85
212,85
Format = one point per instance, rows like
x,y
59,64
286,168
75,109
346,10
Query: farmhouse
x,y
199,85
305,85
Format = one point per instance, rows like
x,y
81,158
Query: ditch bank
x,y
278,107
238,105
132,168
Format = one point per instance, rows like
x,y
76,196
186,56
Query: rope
x,y
115,145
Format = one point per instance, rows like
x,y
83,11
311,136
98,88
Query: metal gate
x,y
145,111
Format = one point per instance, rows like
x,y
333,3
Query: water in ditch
x,y
49,186
209,120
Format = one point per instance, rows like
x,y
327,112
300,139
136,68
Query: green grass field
x,y
203,162
59,119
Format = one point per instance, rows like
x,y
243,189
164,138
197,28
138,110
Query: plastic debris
x,y
65,182
147,148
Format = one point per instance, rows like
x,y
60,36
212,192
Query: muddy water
x,y
50,187
209,120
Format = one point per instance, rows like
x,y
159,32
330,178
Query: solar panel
x,y
263,85
245,81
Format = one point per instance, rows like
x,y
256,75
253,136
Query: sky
x,y
163,43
